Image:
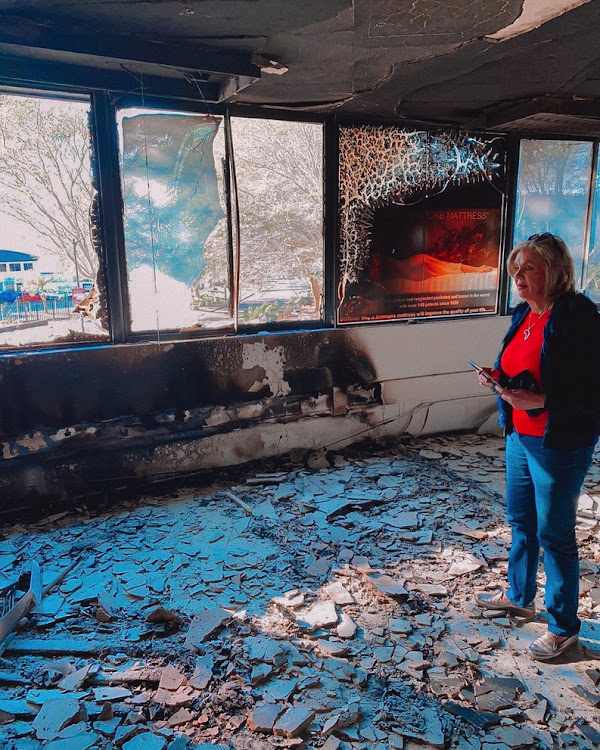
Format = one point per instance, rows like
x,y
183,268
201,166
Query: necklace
x,y
527,331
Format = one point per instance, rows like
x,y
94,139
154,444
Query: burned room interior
x,y
251,484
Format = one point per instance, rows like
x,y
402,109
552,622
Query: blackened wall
x,y
71,419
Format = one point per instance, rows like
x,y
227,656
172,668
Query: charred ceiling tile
x,y
440,23
34,442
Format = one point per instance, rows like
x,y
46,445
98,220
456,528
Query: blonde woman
x,y
549,403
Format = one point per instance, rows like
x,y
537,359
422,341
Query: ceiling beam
x,y
232,87
501,116
37,73
16,31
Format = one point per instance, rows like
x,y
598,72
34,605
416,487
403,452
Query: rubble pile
x,y
325,607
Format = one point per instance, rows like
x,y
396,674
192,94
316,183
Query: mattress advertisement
x,y
420,217
425,263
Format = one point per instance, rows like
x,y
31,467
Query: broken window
x,y
177,183
175,219
46,196
279,174
553,191
420,221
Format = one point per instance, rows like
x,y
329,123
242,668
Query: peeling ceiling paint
x,y
534,14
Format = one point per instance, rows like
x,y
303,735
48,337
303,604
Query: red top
x,y
524,354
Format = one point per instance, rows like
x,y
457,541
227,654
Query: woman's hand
x,y
492,373
523,399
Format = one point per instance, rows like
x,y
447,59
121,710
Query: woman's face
x,y
530,277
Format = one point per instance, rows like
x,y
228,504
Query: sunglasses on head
x,y
541,237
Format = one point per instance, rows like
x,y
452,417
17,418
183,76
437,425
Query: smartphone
x,y
485,374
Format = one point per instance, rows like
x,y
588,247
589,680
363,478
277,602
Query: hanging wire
x,y
195,80
150,212
232,202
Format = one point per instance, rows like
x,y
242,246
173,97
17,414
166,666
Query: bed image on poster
x,y
427,262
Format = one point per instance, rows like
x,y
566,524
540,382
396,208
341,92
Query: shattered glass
x,y
419,225
172,185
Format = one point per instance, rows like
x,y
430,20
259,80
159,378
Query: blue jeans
x,y
542,490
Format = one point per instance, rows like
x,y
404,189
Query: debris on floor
x,y
327,606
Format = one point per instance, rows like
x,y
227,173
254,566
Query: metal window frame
x,y
104,104
505,218
119,101
515,161
76,93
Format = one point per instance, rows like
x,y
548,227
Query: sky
x,y
17,236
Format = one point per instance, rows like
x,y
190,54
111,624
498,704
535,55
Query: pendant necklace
x,y
527,331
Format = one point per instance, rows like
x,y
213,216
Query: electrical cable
x,y
232,201
151,223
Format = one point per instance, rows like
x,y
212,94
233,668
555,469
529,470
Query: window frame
x,y
44,89
117,102
104,103
327,320
506,216
105,161
515,163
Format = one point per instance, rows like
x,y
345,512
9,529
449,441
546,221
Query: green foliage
x,y
274,310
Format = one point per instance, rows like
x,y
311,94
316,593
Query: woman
x,y
549,404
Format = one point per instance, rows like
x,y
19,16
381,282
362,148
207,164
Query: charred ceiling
x,y
425,60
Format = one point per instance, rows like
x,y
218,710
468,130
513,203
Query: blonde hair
x,y
554,254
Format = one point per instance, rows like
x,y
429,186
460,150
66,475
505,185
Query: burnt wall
x,y
61,388
101,412
75,421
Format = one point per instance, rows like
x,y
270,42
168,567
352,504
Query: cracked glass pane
x,y
50,285
420,219
175,220
279,166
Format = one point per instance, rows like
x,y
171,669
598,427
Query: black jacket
x,y
570,372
